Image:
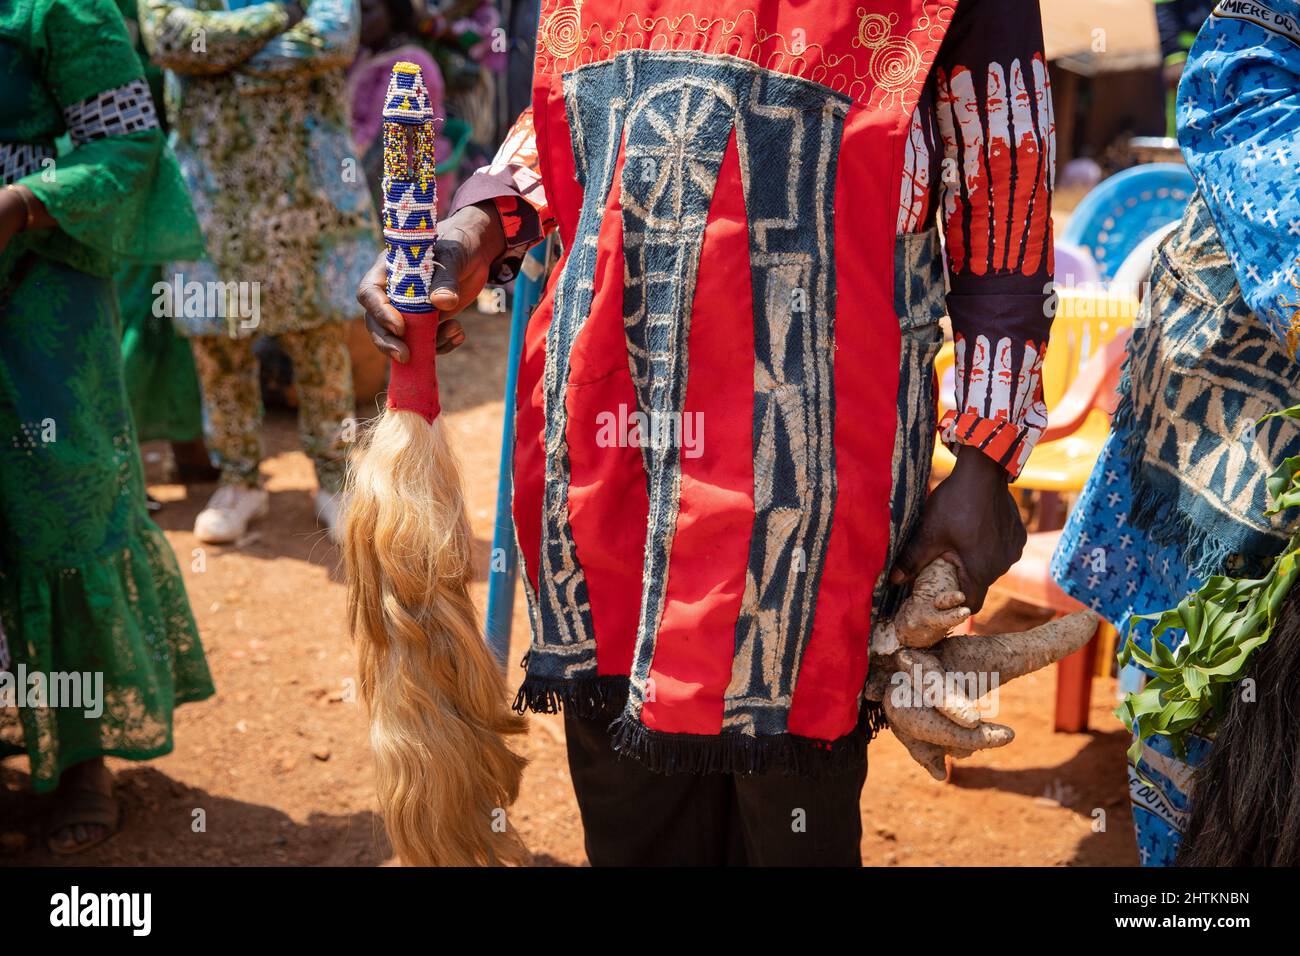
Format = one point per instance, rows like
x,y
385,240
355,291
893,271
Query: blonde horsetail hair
x,y
439,719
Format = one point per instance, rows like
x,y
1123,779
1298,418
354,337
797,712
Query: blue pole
x,y
504,567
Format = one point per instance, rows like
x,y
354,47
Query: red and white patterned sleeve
x,y
993,109
513,183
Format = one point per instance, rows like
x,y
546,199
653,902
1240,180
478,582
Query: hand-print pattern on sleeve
x,y
997,123
985,133
1002,411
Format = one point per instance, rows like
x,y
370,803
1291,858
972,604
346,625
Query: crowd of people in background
x,y
264,202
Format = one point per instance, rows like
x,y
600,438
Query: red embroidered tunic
x,y
726,401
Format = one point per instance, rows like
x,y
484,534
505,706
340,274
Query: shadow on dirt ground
x,y
166,823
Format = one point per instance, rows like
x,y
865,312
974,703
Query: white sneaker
x,y
228,513
329,512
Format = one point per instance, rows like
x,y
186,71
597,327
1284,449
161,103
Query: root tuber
x,y
1008,656
915,645
935,607
955,704
927,724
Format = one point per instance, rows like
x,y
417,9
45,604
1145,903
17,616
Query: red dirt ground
x,y
277,760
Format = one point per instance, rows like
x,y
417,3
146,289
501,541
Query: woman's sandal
x,y
83,807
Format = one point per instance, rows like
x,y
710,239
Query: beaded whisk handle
x,y
410,228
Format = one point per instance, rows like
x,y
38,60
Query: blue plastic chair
x,y
1114,218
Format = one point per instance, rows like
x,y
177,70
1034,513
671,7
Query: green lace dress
x,y
88,583
161,381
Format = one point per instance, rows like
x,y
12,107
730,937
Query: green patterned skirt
x,y
88,583
161,382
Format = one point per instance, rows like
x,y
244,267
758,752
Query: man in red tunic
x,y
726,397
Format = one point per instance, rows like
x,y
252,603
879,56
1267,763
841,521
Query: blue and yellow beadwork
x,y
410,189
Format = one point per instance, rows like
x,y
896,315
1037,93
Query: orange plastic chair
x,y
1086,323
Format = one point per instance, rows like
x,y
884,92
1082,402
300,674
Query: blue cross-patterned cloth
x,y
1239,119
1159,789
1103,561
1238,123
1106,563
1199,368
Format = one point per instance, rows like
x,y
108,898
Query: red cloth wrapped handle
x,y
413,385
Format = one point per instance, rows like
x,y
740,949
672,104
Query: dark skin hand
x,y
468,242
971,520
13,214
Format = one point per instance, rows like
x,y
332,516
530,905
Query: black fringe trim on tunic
x,y
587,697
745,753
700,753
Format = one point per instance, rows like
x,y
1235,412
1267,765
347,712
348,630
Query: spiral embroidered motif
x,y
894,64
874,28
561,32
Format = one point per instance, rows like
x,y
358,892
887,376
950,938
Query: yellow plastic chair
x,y
1088,324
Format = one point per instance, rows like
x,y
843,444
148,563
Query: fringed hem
x,y
1153,511
596,697
1204,553
584,697
744,753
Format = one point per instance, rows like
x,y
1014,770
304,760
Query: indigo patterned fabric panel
x,y
1202,371
675,113
788,135
919,303
681,111
565,644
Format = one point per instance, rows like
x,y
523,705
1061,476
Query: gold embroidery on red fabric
x,y
874,28
561,32
896,61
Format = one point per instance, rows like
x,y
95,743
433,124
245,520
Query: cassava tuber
x,y
941,717
934,608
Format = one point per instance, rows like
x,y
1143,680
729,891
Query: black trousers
x,y
633,817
